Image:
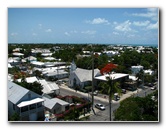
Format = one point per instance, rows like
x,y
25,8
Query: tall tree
x,y
110,87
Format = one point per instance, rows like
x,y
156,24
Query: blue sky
x,y
83,25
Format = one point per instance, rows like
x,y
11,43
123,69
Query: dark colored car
x,y
123,91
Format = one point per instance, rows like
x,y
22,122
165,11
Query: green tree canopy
x,y
138,109
35,87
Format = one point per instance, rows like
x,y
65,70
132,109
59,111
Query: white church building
x,y
81,77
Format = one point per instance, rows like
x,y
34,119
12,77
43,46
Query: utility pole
x,y
93,81
58,76
110,94
110,100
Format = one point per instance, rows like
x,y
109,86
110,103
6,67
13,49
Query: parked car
x,y
123,91
95,93
153,88
149,84
116,97
100,106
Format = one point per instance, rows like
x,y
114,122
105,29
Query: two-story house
x,y
27,104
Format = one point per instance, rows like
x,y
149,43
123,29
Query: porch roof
x,y
33,101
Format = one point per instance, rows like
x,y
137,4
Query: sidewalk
x,y
104,98
128,94
86,115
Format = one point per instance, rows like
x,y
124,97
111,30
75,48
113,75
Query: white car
x,y
153,88
99,106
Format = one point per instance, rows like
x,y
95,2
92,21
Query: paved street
x,y
103,99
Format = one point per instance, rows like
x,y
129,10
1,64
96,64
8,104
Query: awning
x,y
33,101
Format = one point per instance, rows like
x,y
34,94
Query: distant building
x,y
17,49
31,58
57,74
38,64
14,61
149,71
49,58
136,69
17,54
30,80
111,53
39,50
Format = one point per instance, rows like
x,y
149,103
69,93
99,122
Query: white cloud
x,y
34,34
125,26
90,32
115,33
98,21
40,26
131,35
73,31
14,34
153,26
115,23
141,23
152,9
151,13
48,30
66,33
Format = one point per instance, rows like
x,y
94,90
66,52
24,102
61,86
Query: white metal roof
x,y
18,54
61,102
31,79
37,63
59,72
137,67
11,60
9,65
33,101
50,103
46,54
85,75
49,58
134,78
113,76
48,87
15,92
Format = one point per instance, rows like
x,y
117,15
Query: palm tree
x,y
110,87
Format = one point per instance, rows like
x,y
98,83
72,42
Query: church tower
x,y
73,66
